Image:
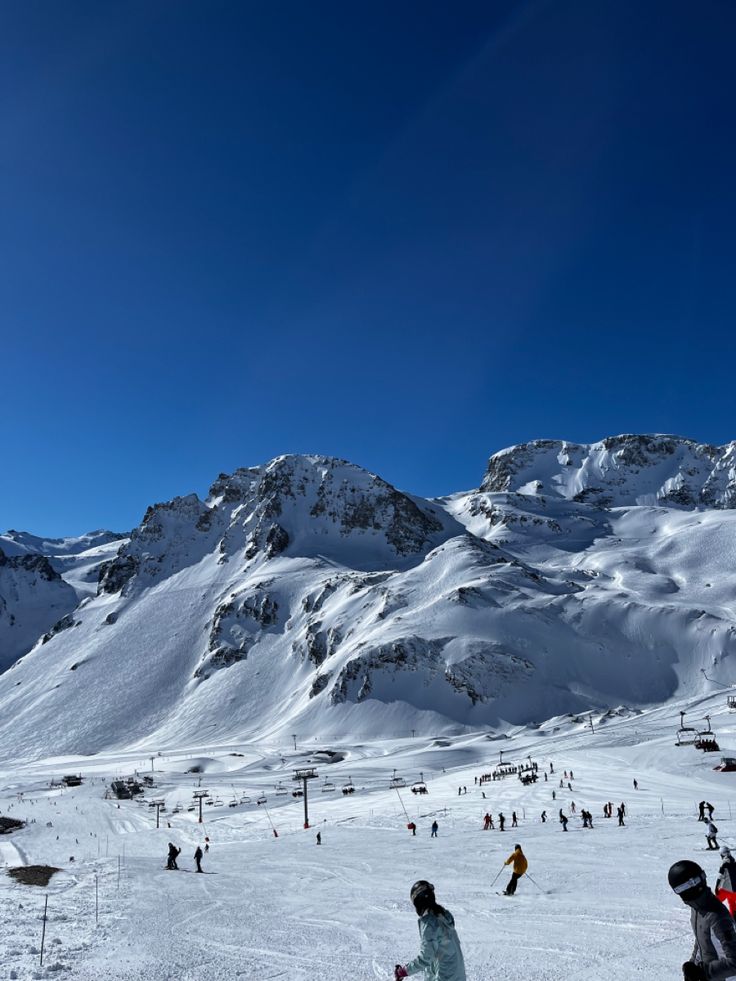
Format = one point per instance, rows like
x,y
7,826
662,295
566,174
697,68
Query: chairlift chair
x,y
280,790
261,800
732,703
420,786
327,787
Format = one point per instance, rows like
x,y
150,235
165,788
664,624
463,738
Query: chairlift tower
x,y
198,796
305,776
159,804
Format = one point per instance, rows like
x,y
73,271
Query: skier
x,y
636,784
701,811
544,817
551,768
173,855
714,953
563,820
435,826
711,835
520,865
620,815
412,827
572,806
206,843
726,883
709,808
319,837
554,795
571,776
440,956
486,821
514,822
198,855
501,822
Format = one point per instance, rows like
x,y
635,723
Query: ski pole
x,y
499,872
535,883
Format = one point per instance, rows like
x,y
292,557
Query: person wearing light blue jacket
x,y
440,956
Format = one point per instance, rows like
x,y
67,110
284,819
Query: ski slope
x,y
283,907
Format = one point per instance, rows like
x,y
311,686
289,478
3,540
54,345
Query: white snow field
x,y
284,907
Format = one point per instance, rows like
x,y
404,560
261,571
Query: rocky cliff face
x,y
619,471
33,597
295,506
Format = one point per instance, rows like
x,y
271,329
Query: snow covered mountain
x,y
620,471
42,580
310,596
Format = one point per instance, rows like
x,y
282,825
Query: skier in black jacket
x,y
173,855
714,954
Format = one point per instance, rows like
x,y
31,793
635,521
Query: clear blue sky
x,y
408,234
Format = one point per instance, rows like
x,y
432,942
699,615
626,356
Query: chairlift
x,y
685,735
396,782
732,703
327,787
420,786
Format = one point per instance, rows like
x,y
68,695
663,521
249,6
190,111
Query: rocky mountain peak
x,y
619,471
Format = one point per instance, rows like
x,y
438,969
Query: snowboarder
x,y
520,865
501,822
435,826
173,855
714,953
726,882
319,837
711,836
440,955
198,855
563,820
514,822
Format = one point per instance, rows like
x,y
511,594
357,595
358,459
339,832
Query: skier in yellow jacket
x,y
517,858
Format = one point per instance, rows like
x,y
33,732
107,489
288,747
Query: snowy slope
x,y
308,594
595,903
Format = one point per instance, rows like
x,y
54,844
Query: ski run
x,y
596,902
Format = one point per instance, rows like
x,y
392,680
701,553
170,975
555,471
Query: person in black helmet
x,y
714,954
440,956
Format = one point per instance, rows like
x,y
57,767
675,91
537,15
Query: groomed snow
x,y
286,908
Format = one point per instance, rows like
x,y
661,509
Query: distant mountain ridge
x,y
620,471
309,595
